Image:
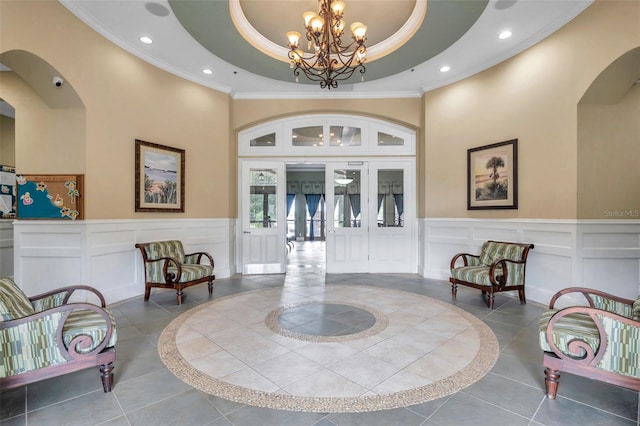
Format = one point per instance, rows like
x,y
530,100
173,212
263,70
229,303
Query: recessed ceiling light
x,y
207,71
445,68
146,40
504,35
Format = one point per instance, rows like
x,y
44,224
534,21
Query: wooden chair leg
x,y
210,285
523,301
179,295
454,290
551,381
491,299
147,293
106,374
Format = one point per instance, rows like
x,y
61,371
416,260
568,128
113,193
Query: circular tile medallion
x,y
325,321
419,349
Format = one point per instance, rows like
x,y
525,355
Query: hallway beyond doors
x,y
306,264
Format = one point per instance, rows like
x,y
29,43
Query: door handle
x,y
332,232
246,232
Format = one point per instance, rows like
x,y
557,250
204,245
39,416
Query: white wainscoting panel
x,y
50,254
6,247
604,255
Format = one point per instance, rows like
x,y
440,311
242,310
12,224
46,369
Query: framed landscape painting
x,y
492,176
159,178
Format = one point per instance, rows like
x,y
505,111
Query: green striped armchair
x,y
500,266
167,266
600,340
49,335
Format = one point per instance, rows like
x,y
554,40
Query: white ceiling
x,y
176,51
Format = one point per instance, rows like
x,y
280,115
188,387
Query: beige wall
x,y
532,97
125,99
247,112
609,159
7,141
50,140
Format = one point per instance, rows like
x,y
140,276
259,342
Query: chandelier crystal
x,y
328,60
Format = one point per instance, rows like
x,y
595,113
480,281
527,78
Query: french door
x,y
263,221
370,216
346,187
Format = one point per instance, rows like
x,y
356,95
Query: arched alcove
x,y
609,143
48,127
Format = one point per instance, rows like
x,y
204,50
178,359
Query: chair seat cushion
x,y
473,274
570,327
14,303
90,323
193,272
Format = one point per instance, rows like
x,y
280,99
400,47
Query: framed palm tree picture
x,y
159,178
492,176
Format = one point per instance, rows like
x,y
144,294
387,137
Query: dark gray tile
x,y
564,412
614,399
505,393
118,421
20,420
51,391
398,416
426,409
134,394
13,402
133,366
90,409
223,405
520,370
462,409
187,408
251,416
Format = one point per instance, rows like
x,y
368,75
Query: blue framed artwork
x,y
50,197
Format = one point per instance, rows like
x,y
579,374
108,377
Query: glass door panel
x,y
347,224
262,211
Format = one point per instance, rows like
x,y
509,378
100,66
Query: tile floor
x,y
146,393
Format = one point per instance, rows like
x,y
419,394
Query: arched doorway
x,y
368,187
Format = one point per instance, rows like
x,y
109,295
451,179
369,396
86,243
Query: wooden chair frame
x,y
498,281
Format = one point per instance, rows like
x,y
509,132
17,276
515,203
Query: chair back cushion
x,y
14,303
160,249
493,250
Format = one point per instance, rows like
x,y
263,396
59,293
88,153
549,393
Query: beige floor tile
x,y
325,383
249,378
218,364
287,368
364,370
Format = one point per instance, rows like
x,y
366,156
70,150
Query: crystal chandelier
x,y
329,61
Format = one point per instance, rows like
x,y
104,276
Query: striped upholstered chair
x,y
500,266
600,340
49,335
167,266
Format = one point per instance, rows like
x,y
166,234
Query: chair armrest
x,y
163,268
467,259
196,258
61,296
589,294
502,267
612,329
32,331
